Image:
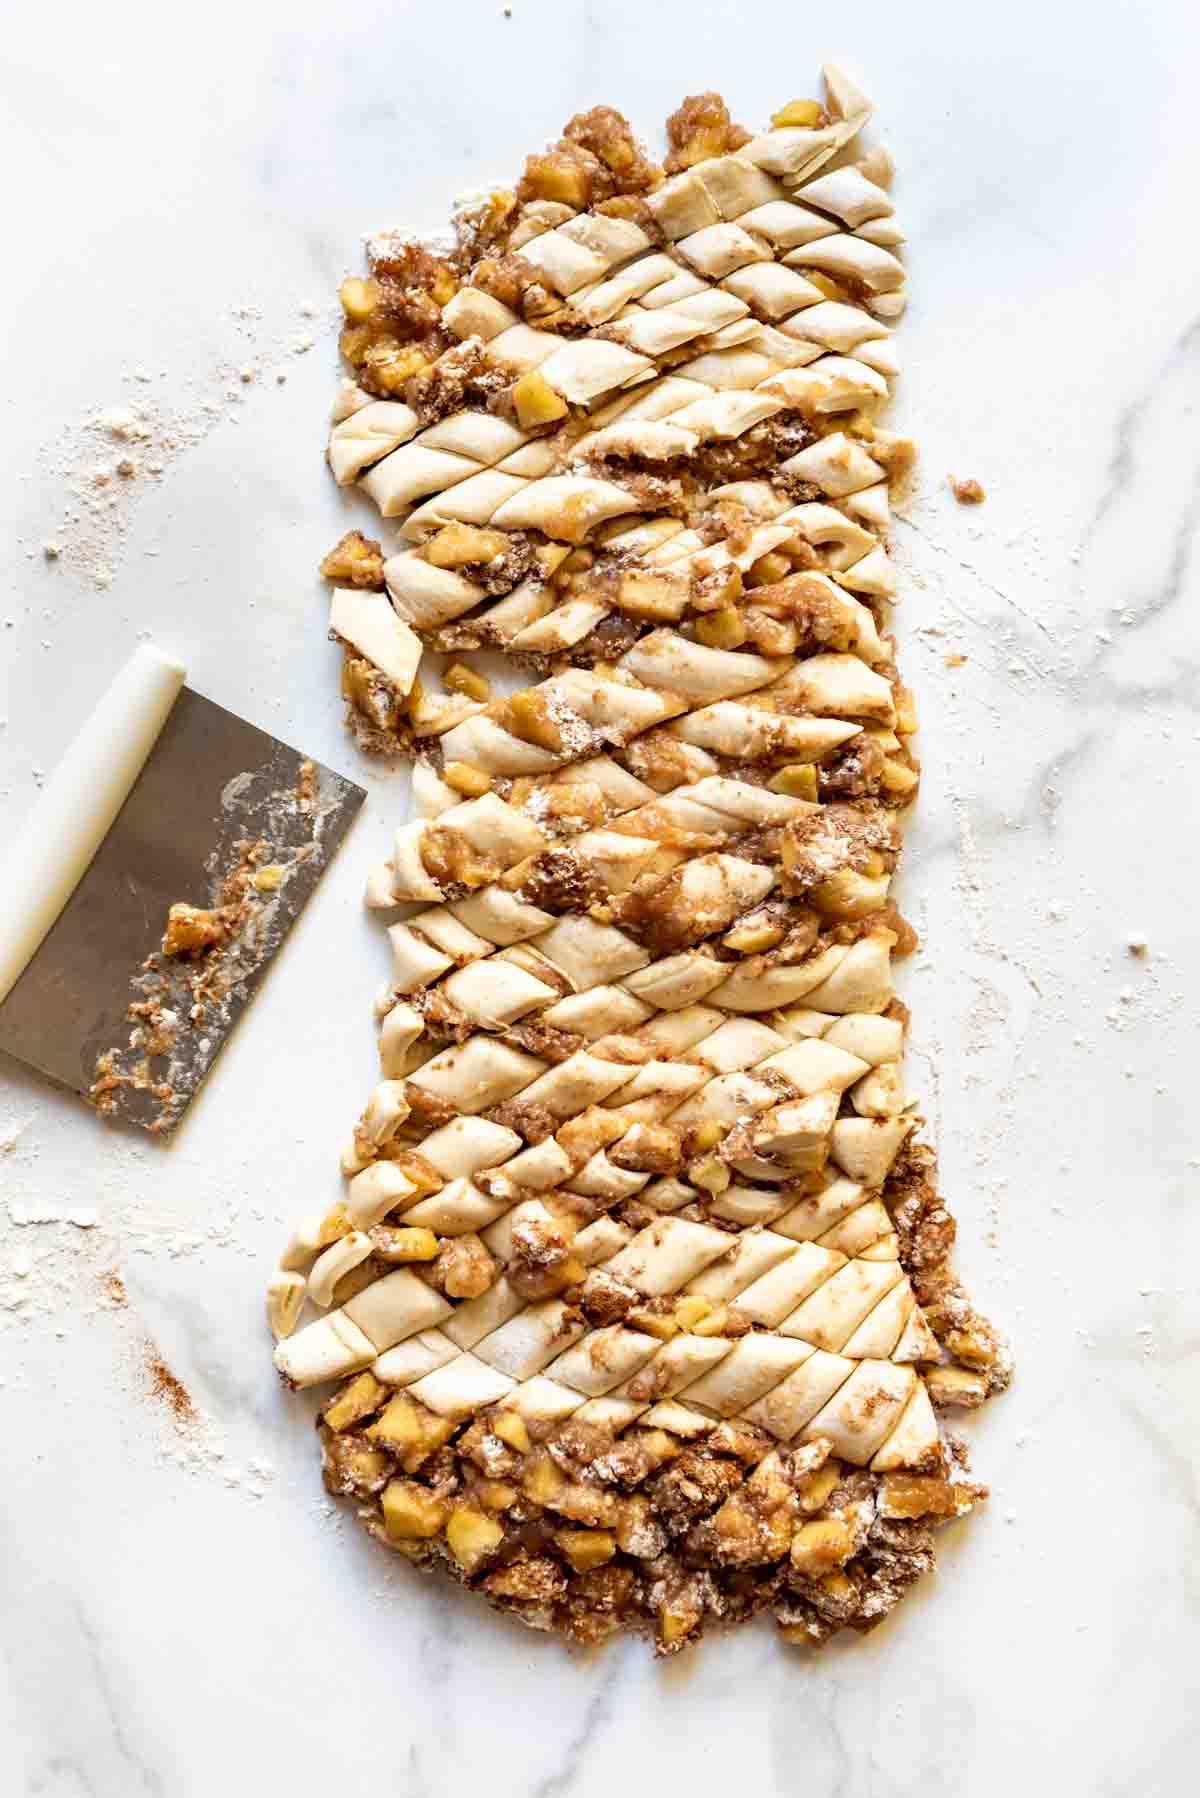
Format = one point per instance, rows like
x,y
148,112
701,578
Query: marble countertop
x,y
182,1613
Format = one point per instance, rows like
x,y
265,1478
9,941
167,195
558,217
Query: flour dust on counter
x,y
76,1274
641,1295
103,465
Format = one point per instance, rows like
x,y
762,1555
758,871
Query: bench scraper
x,y
163,798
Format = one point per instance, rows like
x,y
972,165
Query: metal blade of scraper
x,y
222,814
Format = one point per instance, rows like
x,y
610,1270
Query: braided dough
x,y
673,1322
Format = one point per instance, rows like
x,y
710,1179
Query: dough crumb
x,y
877,166
52,551
120,424
968,492
1137,945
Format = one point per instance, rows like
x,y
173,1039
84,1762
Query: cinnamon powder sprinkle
x,y
113,1288
168,1387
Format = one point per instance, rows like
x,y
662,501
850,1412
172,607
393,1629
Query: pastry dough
x,y
643,1101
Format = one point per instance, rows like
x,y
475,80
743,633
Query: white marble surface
x,y
182,1616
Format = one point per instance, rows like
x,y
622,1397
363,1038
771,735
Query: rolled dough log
x,y
71,819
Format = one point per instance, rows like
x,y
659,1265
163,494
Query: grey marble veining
x,y
182,1612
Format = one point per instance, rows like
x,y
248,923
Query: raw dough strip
x,y
659,1091
482,838
709,893
717,808
736,989
846,1304
409,462
584,954
808,1066
429,597
367,624
682,1097
756,1378
732,189
569,507
680,1039
841,976
822,1320
445,938
875,1411
496,991
799,1408
530,622
545,627
440,457
706,1070
722,248
580,714
470,845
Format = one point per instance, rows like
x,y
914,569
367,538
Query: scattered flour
x,y
188,1437
105,463
63,1269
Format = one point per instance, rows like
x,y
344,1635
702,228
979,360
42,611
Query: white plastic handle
x,y
50,855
